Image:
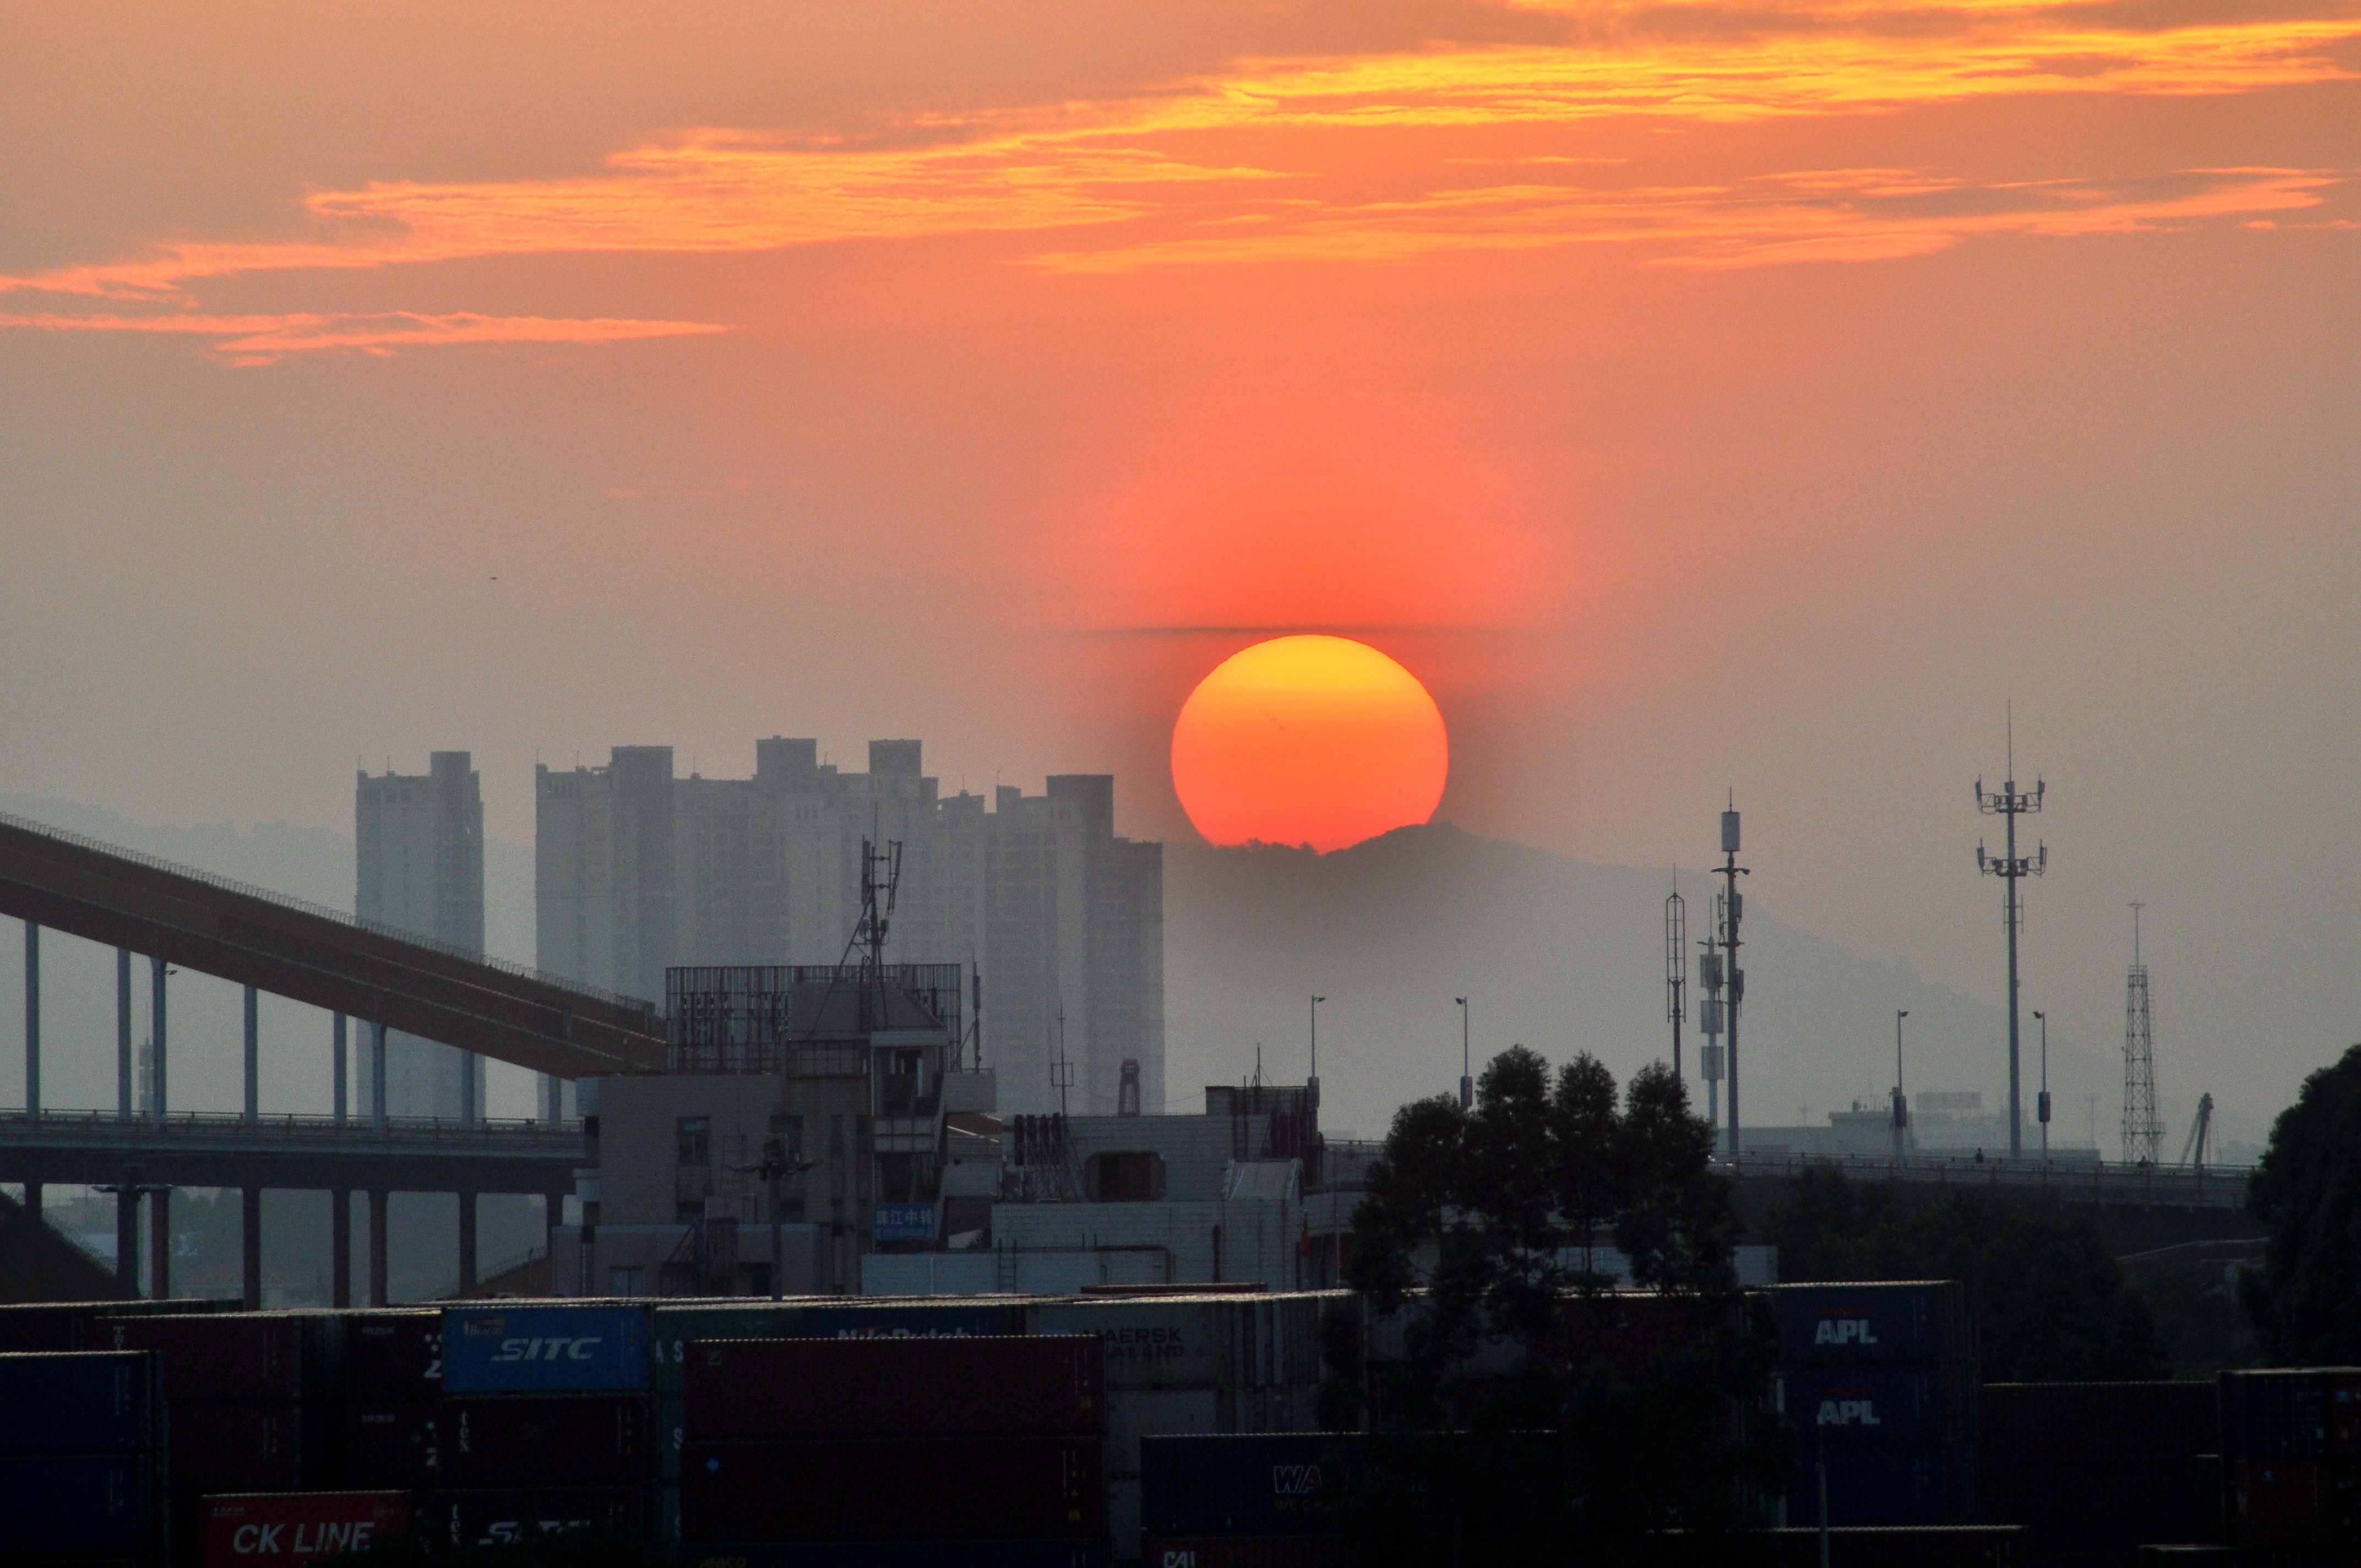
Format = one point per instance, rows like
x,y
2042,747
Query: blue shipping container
x,y
2274,1413
904,1320
1856,1324
1278,1484
901,1554
88,1402
98,1506
545,1349
1854,1405
1890,1486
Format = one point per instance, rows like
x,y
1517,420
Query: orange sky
x,y
1691,394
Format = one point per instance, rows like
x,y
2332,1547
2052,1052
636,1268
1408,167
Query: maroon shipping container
x,y
389,1357
497,1517
1934,1546
1239,1551
252,1357
389,1445
2114,1507
1001,1385
894,1489
236,1448
49,1326
287,1529
2100,1423
558,1440
2280,1503
1624,1333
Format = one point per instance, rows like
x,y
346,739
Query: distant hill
x,y
1553,953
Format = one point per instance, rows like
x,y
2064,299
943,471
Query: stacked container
x,y
1880,1385
291,1529
387,1369
2104,1467
1181,1365
1246,1501
2291,1448
79,1451
234,1386
801,1453
545,1421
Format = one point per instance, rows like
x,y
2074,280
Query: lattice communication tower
x,y
2142,1130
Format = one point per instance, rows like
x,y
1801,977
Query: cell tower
x,y
1676,963
2141,1128
2009,803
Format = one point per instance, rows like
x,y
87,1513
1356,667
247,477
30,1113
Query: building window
x,y
693,1140
622,1281
1134,1177
789,1131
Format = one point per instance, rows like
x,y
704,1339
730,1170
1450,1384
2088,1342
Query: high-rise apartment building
x,y
1063,920
421,871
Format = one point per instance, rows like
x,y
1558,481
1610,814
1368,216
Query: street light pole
x,y
2043,1019
1316,1045
1467,1078
1901,1104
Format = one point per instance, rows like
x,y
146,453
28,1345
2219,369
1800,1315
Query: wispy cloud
x,y
1160,177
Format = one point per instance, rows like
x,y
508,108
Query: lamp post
x,y
1467,1078
1901,1104
2043,1103
1316,1045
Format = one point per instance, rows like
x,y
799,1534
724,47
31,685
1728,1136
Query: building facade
x,y
420,870
1061,921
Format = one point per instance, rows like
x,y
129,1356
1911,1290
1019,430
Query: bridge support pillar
x,y
155,1028
337,1035
253,1054
340,1247
377,1249
159,1241
123,1074
250,1239
33,1202
377,1076
467,1241
126,1242
32,1036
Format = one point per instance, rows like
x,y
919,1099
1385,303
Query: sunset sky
x,y
1695,397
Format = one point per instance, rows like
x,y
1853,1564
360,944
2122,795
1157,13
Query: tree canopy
x,y
2306,1299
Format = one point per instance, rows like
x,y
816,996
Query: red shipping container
x,y
236,1448
289,1530
2280,1503
252,1357
894,1489
556,1440
499,1517
390,1357
2098,1423
1240,1552
389,1445
49,1326
999,1386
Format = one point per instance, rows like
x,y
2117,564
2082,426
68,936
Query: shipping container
x,y
501,1516
893,1489
677,1328
78,1402
239,1448
1167,1341
900,1555
2282,1503
384,1358
545,1348
2108,1506
1241,1551
80,1325
556,1440
1876,1403
246,1357
1863,1323
1927,1546
2102,1423
288,1529
389,1445
1623,1333
923,1318
1044,1385
2275,1414
97,1506
1884,1483
1259,1484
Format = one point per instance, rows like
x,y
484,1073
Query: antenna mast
x,y
1676,963
1732,979
2141,1129
2009,803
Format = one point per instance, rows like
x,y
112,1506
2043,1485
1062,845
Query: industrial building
x,y
420,872
638,871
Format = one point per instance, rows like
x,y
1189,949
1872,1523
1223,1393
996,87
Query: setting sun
x,y
1308,739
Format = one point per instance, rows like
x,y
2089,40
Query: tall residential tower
x,y
421,871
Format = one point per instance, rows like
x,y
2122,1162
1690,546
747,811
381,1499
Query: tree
x,y
2306,1298
2054,1304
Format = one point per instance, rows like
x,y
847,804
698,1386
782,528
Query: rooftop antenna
x,y
2141,1129
1061,1071
2009,803
1733,979
1677,963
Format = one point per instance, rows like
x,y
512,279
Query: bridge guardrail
x,y
2216,1187
215,1127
